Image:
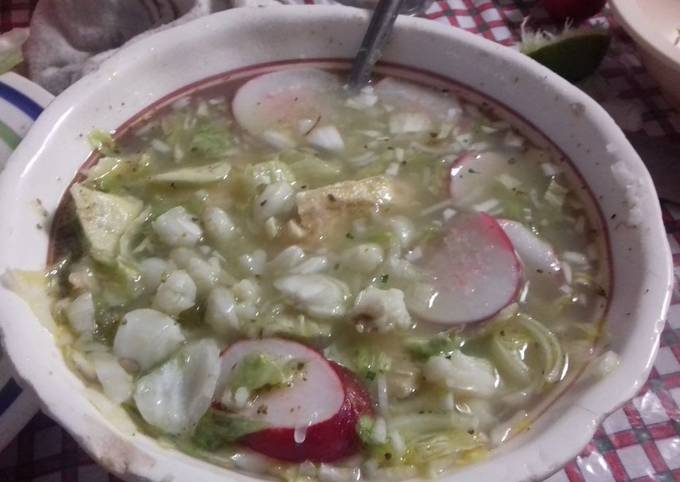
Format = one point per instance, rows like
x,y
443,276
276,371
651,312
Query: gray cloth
x,y
69,38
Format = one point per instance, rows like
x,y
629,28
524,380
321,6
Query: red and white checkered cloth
x,y
15,13
640,442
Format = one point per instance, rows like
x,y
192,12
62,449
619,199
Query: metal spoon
x,y
376,37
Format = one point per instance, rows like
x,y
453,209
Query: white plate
x,y
21,102
654,27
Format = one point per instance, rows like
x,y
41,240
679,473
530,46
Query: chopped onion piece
x,y
567,272
278,139
575,257
509,181
409,123
379,434
327,138
398,445
448,213
363,160
436,207
392,169
549,169
161,146
463,373
486,206
365,99
512,139
606,363
383,397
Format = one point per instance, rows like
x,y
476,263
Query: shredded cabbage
x,y
553,356
210,140
415,424
207,173
266,173
104,218
313,172
507,346
218,428
259,370
427,448
103,143
442,344
300,327
369,363
365,428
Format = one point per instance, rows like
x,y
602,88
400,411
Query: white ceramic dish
x,y
655,27
46,161
21,102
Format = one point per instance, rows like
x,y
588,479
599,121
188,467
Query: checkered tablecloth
x,y
640,442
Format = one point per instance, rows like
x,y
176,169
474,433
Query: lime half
x,y
574,54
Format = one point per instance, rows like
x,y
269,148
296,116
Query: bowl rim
x,y
585,418
634,21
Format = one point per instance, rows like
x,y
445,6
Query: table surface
x,y
641,441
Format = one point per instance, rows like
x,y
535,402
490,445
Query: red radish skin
x,y
327,441
561,10
341,399
474,270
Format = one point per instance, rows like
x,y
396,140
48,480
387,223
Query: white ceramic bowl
x,y
46,161
655,28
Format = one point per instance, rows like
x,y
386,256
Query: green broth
x,y
239,195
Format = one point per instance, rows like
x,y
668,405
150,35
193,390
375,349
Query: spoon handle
x,y
376,36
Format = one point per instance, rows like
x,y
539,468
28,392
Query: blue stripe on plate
x,y
8,395
27,105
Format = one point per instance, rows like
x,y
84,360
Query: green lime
x,y
574,54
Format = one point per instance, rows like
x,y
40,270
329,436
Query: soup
x,y
278,275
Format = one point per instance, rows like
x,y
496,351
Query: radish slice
x,y
475,272
472,174
315,418
408,97
537,255
319,398
328,441
279,100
